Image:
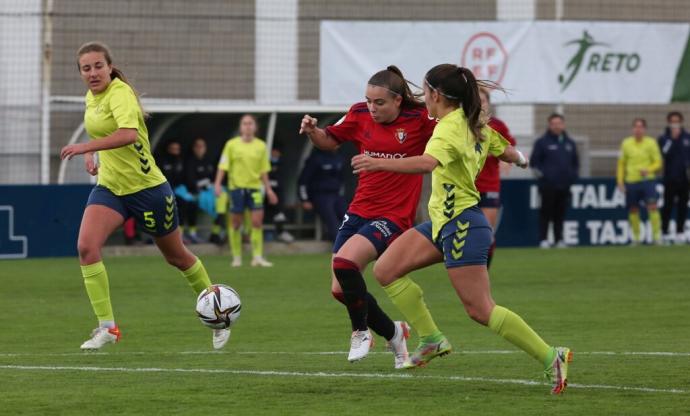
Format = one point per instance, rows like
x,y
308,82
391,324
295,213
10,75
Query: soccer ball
x,y
218,306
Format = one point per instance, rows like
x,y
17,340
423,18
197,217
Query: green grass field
x,y
623,311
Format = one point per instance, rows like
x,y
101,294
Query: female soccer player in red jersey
x,y
488,182
391,124
458,234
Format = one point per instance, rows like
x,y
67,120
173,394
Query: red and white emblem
x,y
485,56
401,135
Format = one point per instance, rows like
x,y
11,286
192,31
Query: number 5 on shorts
x,y
149,221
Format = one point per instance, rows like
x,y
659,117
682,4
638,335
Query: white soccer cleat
x,y
398,344
544,244
359,345
237,262
220,338
561,244
261,262
100,337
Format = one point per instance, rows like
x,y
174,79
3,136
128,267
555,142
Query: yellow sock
x,y
257,239
235,241
197,277
634,218
513,329
408,297
96,283
655,219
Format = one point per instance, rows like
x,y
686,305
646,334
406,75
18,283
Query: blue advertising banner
x,y
596,214
40,221
43,221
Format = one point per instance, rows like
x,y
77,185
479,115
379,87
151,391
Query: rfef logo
x,y
596,61
485,56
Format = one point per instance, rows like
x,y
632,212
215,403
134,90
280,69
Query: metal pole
x,y
45,90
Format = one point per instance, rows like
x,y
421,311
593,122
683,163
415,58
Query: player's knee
x,y
338,295
89,253
477,312
384,274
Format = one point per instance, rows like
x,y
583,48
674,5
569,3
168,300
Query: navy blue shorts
x,y
246,198
490,200
464,241
380,231
154,209
640,193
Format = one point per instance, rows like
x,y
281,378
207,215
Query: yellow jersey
x,y
127,169
244,162
460,159
638,156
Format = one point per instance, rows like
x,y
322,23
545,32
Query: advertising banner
x,y
535,61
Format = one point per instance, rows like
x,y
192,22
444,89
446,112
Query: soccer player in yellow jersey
x,y
245,160
638,164
458,234
129,185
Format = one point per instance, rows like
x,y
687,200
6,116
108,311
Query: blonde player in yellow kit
x,y
245,160
638,164
129,185
458,234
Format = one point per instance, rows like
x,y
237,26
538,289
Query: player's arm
x,y
512,155
319,137
272,197
620,170
264,169
122,137
223,167
656,159
415,164
90,163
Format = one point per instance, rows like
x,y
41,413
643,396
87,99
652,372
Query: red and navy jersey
x,y
386,194
489,179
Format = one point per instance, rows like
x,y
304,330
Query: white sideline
x,y
204,352
320,374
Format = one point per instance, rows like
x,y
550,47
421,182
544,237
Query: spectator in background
x,y
638,163
199,175
675,150
320,188
556,165
171,164
276,212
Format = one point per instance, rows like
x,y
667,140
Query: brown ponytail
x,y
394,81
459,86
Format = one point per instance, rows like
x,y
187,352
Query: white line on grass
x,y
320,374
209,352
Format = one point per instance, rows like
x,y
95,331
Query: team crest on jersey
x,y
401,135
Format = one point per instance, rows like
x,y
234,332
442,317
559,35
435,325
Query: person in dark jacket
x,y
171,164
675,151
200,172
276,213
320,188
556,165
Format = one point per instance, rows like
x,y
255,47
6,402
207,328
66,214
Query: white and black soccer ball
x,y
218,306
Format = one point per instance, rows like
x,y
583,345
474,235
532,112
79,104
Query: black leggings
x,y
675,194
554,203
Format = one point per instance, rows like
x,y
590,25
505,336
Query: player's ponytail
x,y
115,72
460,88
471,103
394,81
